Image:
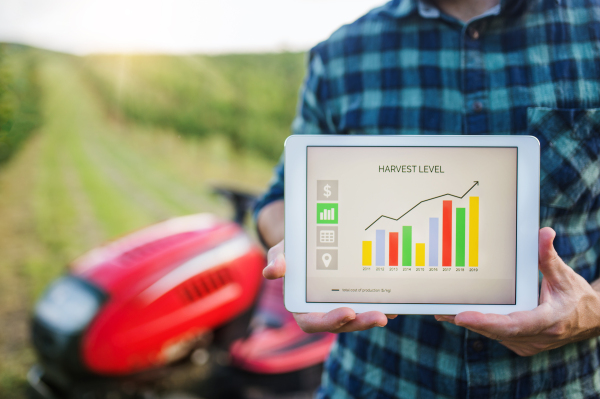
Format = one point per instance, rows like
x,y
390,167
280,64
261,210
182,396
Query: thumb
x,y
276,267
551,265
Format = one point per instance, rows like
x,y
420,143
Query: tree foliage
x,y
248,98
19,97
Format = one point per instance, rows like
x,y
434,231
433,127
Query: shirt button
x,y
478,345
477,106
474,33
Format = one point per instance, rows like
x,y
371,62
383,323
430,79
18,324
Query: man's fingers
x,y
448,318
551,265
275,269
320,322
517,324
339,320
275,251
364,321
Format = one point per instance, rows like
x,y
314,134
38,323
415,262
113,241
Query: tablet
x,y
411,224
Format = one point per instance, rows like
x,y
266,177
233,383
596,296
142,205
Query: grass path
x,y
85,178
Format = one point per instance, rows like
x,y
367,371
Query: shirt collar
x,y
428,10
404,8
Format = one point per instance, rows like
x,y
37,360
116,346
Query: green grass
x,y
95,171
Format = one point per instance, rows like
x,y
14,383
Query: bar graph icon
x,y
327,213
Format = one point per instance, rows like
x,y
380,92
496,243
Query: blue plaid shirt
x,y
525,67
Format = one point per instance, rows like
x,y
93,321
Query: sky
x,y
175,26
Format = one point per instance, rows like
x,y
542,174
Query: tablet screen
x,y
418,225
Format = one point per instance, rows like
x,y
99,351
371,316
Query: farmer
x,y
470,67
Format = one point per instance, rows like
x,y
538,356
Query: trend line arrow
x,y
428,199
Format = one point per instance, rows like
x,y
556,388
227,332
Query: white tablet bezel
x,y
528,178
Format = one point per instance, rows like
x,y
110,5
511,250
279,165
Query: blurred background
x,y
117,114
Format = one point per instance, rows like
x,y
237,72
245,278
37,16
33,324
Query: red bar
x,y
447,235
393,249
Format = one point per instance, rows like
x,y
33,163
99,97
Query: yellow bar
x,y
473,231
367,255
420,255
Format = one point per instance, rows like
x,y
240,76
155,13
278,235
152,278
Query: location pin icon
x,y
326,259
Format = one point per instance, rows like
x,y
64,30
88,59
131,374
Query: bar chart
x,y
459,244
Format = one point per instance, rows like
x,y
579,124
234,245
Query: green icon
x,y
327,213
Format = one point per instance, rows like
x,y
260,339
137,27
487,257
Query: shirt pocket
x,y
570,148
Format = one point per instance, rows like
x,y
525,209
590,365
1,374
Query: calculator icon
x,y
327,236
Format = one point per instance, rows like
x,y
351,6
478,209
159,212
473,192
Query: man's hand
x,y
338,320
569,310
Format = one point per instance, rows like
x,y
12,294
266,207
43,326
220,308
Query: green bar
x,y
460,237
406,245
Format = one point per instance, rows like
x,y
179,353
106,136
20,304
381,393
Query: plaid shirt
x,y
526,67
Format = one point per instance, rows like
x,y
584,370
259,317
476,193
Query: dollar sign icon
x,y
327,191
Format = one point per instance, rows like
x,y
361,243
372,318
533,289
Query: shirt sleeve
x,y
311,118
